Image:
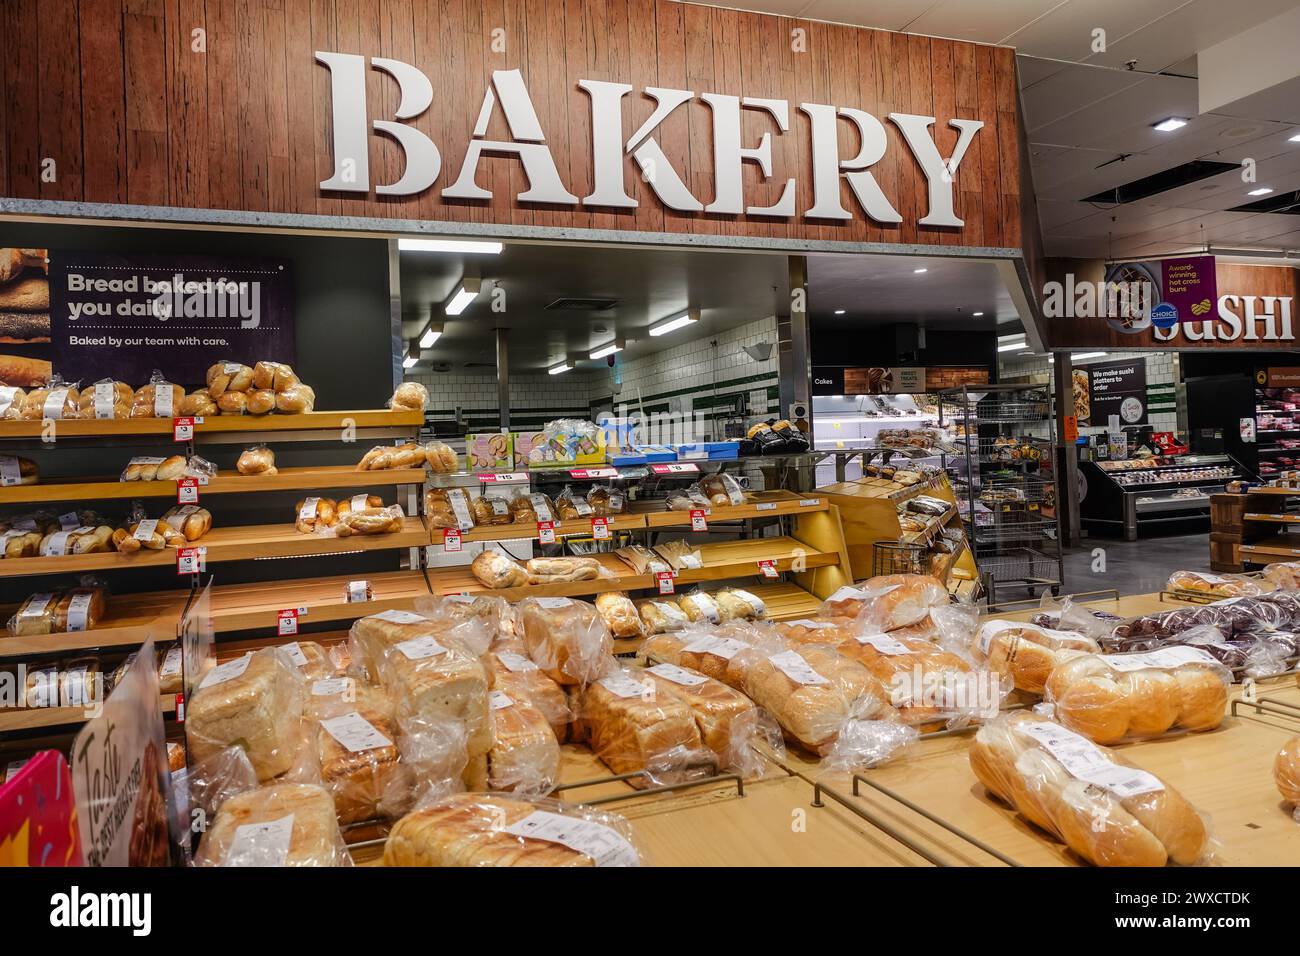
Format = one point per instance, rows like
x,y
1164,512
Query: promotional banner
x,y
837,380
120,776
1160,293
122,316
1111,389
38,817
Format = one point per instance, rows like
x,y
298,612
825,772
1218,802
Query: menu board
x,y
1111,388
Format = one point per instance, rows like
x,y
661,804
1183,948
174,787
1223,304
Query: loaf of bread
x,y
198,404
1284,575
495,570
253,702
258,460
228,377
158,399
190,520
1105,810
700,608
525,754
632,728
620,614
370,637
492,510
273,376
889,601
16,470
477,829
727,720
314,513
721,490
1286,772
519,678
170,468
430,680
11,401
83,539
830,631
660,617
572,507
1109,698
287,824
1213,584
55,403
79,609
532,508
441,459
361,767
371,520
1027,653
736,604
606,501
927,684
410,395
563,570
567,639
726,653
18,543
296,399
448,508
106,399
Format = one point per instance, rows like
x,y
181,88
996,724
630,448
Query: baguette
x,y
24,328
24,372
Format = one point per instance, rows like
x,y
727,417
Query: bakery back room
x,y
584,434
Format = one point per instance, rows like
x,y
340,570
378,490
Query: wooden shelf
x,y
787,602
32,718
131,619
1270,490
528,531
226,482
1271,519
764,504
227,544
127,427
1283,545
242,607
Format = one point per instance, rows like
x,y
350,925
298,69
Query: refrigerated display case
x,y
1144,494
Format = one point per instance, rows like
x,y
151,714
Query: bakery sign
x,y
833,159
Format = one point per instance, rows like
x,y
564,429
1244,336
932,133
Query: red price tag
x,y
581,473
287,621
451,540
497,478
190,560
768,568
187,491
676,468
183,428
180,708
698,521
600,528
546,532
665,581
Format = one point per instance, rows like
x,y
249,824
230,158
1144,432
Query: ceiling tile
x,y
1066,32
1033,69
1065,93
979,20
882,14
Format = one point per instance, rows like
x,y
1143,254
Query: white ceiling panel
x,y
882,14
1073,89
1033,69
1066,32
1096,180
1057,215
979,20
1122,120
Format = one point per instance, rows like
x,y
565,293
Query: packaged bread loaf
x,y
928,685
642,560
492,510
106,399
11,401
273,376
258,460
83,539
78,609
572,507
253,702
634,729
567,639
313,514
190,520
528,508
198,404
1113,697
410,395
19,541
525,754
620,614
699,607
726,719
440,458
737,604
16,470
1026,653
158,399
606,500
660,617
1286,773
171,673
689,498
58,401
564,570
143,468
286,824
261,401
448,508
372,635
1224,586
1284,575
496,570
518,677
890,601
679,555
369,520
1104,809
431,678
312,660
478,829
722,490
725,653
227,376
233,403
361,766
830,631
296,399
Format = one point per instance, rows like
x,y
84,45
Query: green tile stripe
x,y
735,384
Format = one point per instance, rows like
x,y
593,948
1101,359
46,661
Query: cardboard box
x,y
489,451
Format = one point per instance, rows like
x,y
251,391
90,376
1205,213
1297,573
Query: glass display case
x,y
1146,493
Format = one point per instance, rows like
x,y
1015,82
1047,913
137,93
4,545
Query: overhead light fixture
x,y
606,350
977,314
411,356
449,245
432,332
917,272
1294,139
1084,355
465,293
561,368
1170,124
676,322
1013,347
839,311
1261,191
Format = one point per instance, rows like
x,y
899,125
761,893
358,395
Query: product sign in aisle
x,y
451,540
698,521
546,532
1111,390
664,580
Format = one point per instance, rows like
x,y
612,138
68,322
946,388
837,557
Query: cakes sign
x,y
611,147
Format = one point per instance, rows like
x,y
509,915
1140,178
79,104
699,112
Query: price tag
x,y
287,620
191,560
358,592
767,568
451,540
187,491
600,528
809,502
180,708
501,478
765,506
665,581
183,428
698,521
546,532
676,468
582,473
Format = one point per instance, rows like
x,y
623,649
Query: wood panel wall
x,y
114,92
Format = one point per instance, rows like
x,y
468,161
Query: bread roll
x,y
369,521
158,400
1286,771
620,614
889,601
563,570
727,653
314,513
1026,653
261,402
492,510
441,459
273,376
228,377
197,404
494,570
363,502
106,400
171,468
918,674
190,520
233,403
660,617
259,460
236,837
736,604
410,395
296,399
567,639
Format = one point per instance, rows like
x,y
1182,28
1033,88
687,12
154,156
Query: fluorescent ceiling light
x,y
1013,347
410,357
675,323
1170,124
977,314
562,367
1294,139
606,350
465,293
1084,355
431,334
919,271
448,245
839,311
1261,191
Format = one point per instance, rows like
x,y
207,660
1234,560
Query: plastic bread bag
x,y
106,399
1284,575
492,829
1114,697
606,500
273,376
228,376
281,824
634,728
863,744
372,636
1164,624
191,521
495,570
11,401
642,560
1289,601
297,399
143,468
58,401
530,508
1224,586
81,539
448,508
78,609
1065,615
567,639
1026,653
1286,774
721,490
314,514
492,510
525,753
233,403
492,613
565,570
680,555
700,607
889,601
198,404
440,458
728,722
370,520
256,460
620,614
572,507
518,677
661,617
360,762
725,653
254,702
736,603
833,632
411,396
158,399
1268,655
1253,614
689,498
1106,810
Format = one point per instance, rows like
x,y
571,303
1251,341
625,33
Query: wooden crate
x,y
1223,552
1225,513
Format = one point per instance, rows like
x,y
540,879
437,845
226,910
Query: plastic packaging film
x,y
1026,653
1286,773
567,639
278,825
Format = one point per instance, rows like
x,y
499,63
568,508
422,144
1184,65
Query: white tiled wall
x,y
548,396
1162,370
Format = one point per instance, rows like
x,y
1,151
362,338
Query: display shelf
x,y
241,543
133,427
1279,546
762,504
34,718
226,482
130,620
242,607
1281,518
528,531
